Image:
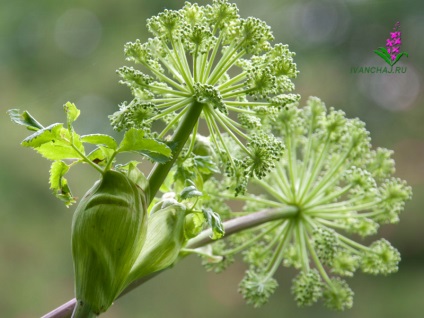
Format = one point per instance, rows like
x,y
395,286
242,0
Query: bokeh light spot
x,y
78,32
320,22
395,92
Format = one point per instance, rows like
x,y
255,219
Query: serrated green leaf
x,y
190,191
59,184
50,133
72,112
205,164
101,155
134,174
57,170
194,224
57,150
214,221
134,141
100,139
154,156
53,143
24,119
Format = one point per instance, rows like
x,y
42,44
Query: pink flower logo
x,y
391,53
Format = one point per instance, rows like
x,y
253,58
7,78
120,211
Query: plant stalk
x,y
243,223
204,238
182,133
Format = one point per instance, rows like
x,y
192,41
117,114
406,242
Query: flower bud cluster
x,y
210,57
338,185
394,42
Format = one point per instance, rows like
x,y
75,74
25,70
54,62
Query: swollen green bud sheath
x,y
108,232
165,238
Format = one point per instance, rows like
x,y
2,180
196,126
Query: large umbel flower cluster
x,y
210,57
309,178
317,167
330,187
328,184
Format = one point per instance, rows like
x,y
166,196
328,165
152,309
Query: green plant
x,y
321,182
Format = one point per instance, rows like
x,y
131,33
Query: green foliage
x,y
99,139
206,216
24,119
58,182
214,221
190,191
63,145
134,141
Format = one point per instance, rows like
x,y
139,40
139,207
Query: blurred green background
x,y
55,51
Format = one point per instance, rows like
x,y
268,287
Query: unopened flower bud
x,y
108,232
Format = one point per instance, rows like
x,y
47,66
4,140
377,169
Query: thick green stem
x,y
245,222
181,135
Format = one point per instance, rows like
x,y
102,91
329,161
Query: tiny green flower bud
x,y
256,288
345,263
307,288
380,258
108,232
338,295
325,243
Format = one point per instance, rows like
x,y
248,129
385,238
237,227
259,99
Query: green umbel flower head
x,y
226,64
329,184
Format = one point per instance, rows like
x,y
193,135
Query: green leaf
x,y
59,184
134,141
57,150
190,191
48,134
53,143
134,174
155,156
57,170
399,56
384,55
101,155
194,224
100,139
205,164
24,119
214,221
384,51
72,112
